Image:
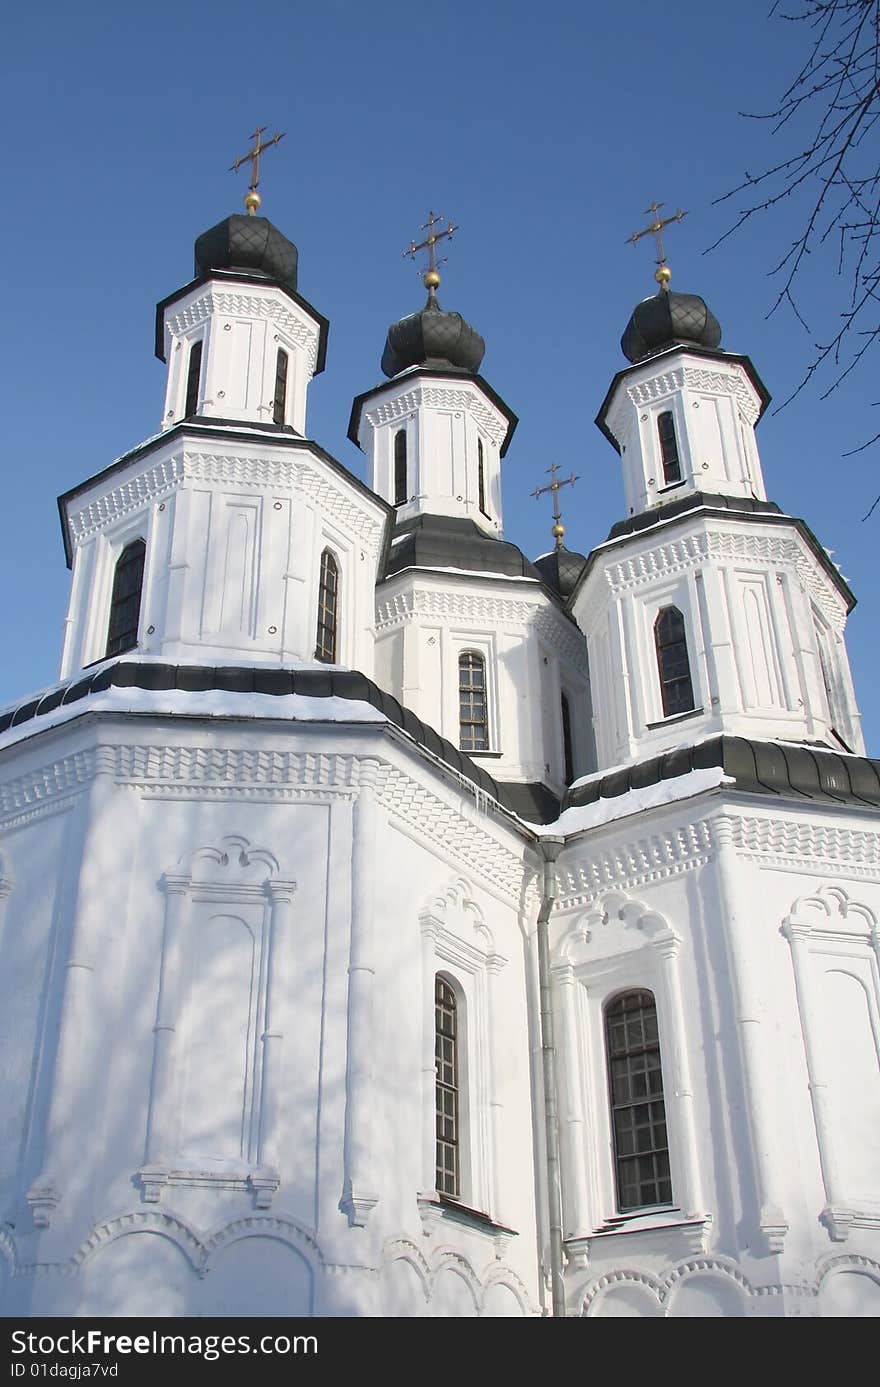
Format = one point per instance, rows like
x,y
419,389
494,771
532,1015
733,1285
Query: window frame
x,y
670,458
399,467
116,600
453,1088
282,378
623,1160
328,553
465,653
481,479
192,381
666,681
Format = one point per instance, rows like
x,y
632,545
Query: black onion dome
x,y
432,337
248,243
560,570
666,320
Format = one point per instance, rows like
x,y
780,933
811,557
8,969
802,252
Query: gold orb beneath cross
x,y
431,279
252,201
663,274
558,531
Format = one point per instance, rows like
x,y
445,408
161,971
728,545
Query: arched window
x,y
279,402
566,740
400,477
328,609
481,478
193,379
446,1058
638,1113
668,448
473,708
125,603
673,666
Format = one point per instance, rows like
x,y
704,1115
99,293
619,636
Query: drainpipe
x,y
550,849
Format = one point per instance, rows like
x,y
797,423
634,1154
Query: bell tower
x,y
707,610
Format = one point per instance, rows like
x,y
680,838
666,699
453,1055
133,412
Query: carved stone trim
x,y
468,608
216,303
464,397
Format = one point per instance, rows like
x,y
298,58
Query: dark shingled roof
x,y
447,541
790,770
432,337
667,319
247,243
313,683
561,569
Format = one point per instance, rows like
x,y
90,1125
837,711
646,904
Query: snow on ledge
x,y
579,818
207,703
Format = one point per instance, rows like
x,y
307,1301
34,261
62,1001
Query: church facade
x,y
393,926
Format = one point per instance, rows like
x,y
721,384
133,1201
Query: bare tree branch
x,y
830,116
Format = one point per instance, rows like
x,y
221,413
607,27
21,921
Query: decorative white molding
x,y
224,303
287,474
56,778
633,864
481,610
465,398
135,493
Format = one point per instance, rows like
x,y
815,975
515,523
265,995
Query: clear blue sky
x,y
544,130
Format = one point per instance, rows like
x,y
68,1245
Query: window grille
x,y
328,609
125,602
447,1090
279,403
670,640
400,477
481,478
566,740
638,1113
473,708
193,379
668,448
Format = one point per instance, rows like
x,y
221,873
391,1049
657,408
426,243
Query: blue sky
x,y
544,131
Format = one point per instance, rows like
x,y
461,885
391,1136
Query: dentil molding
x,y
223,303
440,397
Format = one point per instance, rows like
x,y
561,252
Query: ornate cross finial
x,y
662,274
252,197
558,528
431,278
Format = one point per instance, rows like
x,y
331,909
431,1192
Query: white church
x,y
391,925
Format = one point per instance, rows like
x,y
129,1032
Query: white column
x,y
755,1048
494,964
574,1169
427,1186
678,1088
798,935
280,894
164,1104
77,1056
359,1195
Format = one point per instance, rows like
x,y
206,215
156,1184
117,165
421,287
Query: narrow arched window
x,y
481,478
473,708
638,1113
400,477
670,639
566,740
447,1094
125,602
193,379
328,609
279,401
668,448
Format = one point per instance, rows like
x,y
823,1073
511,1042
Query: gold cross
x,y
252,198
662,274
431,278
558,528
